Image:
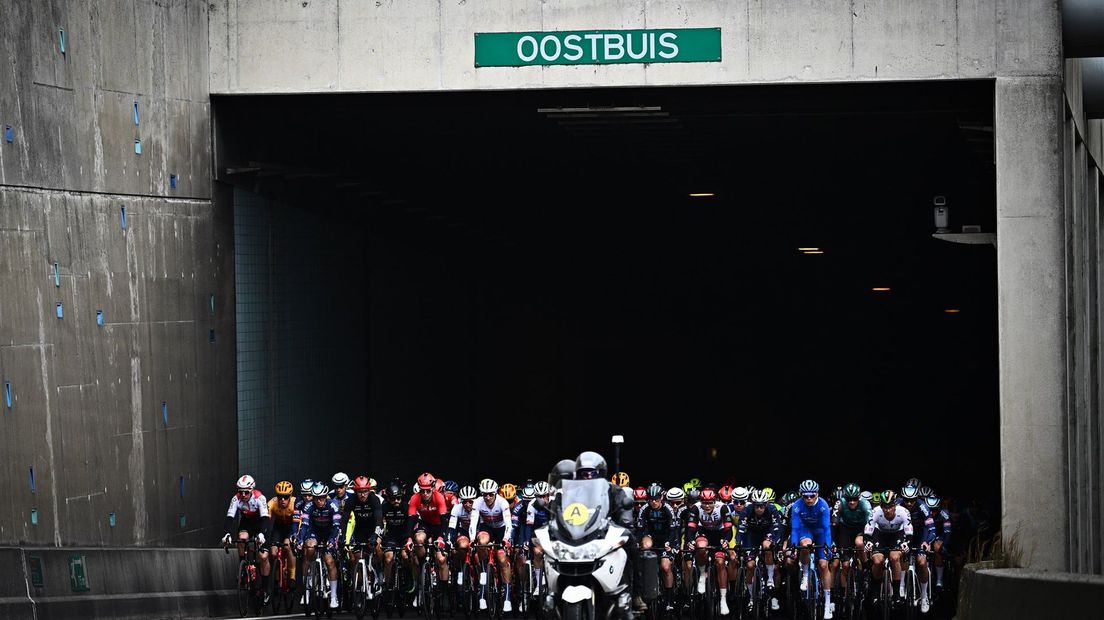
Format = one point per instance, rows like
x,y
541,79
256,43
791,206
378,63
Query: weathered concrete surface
x,y
264,46
1002,593
122,583
86,399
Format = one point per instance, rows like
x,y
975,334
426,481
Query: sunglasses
x,y
809,495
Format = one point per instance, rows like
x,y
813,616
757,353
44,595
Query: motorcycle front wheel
x,y
575,611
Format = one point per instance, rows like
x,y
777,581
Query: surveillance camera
x,y
942,215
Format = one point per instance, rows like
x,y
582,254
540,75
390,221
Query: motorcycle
x,y
585,555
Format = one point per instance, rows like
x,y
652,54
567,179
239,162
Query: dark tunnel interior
x,y
480,284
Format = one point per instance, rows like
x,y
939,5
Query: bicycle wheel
x,y
243,588
912,595
359,591
709,602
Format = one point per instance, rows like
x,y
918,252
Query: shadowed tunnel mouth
x,y
740,280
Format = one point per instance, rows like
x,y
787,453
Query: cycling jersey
x,y
812,522
364,520
430,513
491,517
285,522
254,513
517,518
395,522
899,524
536,515
714,523
321,523
753,529
943,525
659,523
842,514
459,520
921,516
340,501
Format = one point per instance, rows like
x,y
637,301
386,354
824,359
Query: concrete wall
x,y
188,583
1002,593
263,46
86,413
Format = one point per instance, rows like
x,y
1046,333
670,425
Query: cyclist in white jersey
x,y
889,527
491,524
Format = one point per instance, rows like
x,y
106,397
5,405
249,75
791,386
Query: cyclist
x,y
942,535
811,525
394,528
428,514
457,532
321,521
657,525
709,525
676,499
285,523
449,490
249,503
491,526
509,492
364,515
760,525
341,492
849,517
922,537
889,528
537,515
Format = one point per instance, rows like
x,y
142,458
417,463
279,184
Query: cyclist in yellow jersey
x,y
285,520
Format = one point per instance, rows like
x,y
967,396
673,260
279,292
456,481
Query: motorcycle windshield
x,y
584,507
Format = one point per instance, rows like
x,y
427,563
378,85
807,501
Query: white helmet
x,y
740,494
675,494
467,493
543,488
340,479
487,485
246,483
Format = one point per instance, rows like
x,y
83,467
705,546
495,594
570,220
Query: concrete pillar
x,y
1031,274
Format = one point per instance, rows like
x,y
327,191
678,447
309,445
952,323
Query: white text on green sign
x,y
597,47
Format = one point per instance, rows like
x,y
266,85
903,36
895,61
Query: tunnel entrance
x,y
479,284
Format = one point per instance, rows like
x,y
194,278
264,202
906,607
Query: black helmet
x,y
590,465
393,490
655,491
564,469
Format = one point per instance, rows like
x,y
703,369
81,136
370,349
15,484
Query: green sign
x,y
597,47
77,577
35,565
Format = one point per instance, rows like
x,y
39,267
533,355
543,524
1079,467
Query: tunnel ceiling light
x,y
813,252
881,289
600,110
952,311
808,249
702,195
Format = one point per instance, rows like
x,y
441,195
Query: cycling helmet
x,y
910,493
426,481
361,484
527,492
542,488
371,482
590,465
439,485
640,495
789,498
621,479
393,490
851,490
693,495
876,498
305,486
246,483
340,479
508,491
708,495
759,497
320,488
932,501
926,492
913,482
284,488
654,491
487,485
693,483
451,486
740,494
675,494
770,493
837,494
725,493
809,486
889,498
867,495
467,493
564,470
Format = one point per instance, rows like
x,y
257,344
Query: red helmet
x,y
426,481
725,493
438,484
362,484
708,495
640,495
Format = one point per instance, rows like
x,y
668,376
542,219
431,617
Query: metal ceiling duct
x,y
1083,28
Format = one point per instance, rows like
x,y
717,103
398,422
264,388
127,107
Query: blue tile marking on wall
x,y
111,519
211,336
165,412
99,318
172,181
183,521
7,393
137,147
61,39
34,487
34,516
212,302
136,117
122,217
182,486
9,134
57,276
60,310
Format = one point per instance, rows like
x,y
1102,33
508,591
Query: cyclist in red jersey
x,y
430,515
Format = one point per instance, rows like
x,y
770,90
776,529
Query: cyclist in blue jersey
x,y
923,534
811,523
321,521
942,534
